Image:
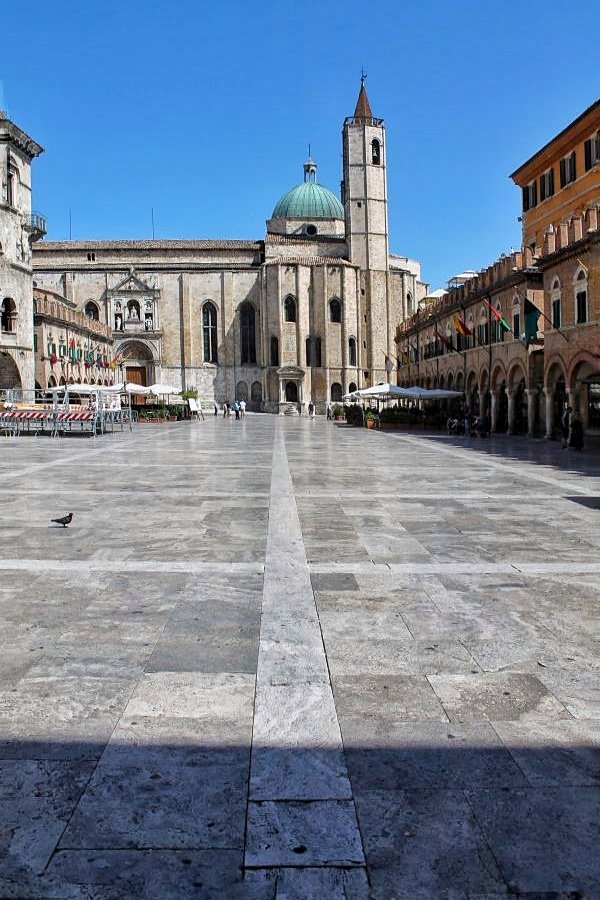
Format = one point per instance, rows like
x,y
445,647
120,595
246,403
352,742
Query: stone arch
x,y
516,375
352,387
483,380
583,365
52,381
138,365
256,394
10,378
555,369
241,391
92,310
460,381
498,375
450,381
336,392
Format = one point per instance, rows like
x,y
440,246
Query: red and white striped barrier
x,y
76,417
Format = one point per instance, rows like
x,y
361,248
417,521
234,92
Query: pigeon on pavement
x,y
64,520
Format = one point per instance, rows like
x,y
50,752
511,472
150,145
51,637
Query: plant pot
x,y
371,423
340,418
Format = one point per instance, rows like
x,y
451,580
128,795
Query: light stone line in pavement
x,y
257,568
505,466
130,565
301,812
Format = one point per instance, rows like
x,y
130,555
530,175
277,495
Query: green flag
x,y
531,315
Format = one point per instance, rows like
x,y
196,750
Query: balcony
x,y
35,226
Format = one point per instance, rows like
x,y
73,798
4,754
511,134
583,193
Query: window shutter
x,y
563,173
551,183
573,166
587,147
535,194
542,187
525,199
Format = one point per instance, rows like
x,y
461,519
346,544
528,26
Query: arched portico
x,y
10,377
583,389
517,400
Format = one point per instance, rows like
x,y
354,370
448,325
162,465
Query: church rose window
x,y
209,332
248,333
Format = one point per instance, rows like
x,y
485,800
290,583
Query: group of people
x,y
238,408
571,429
469,423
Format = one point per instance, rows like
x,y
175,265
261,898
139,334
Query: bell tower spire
x,y
365,210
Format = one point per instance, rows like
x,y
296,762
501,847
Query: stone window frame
x,y
290,308
210,332
556,297
580,288
335,311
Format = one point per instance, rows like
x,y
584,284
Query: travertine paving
x,y
285,659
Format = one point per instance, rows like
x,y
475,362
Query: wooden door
x,y
136,375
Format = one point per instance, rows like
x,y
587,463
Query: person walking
x,y
242,408
236,409
225,410
311,410
576,433
329,412
216,407
565,426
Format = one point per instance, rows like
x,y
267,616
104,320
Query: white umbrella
x,y
162,389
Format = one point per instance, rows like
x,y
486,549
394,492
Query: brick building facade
x,y
525,380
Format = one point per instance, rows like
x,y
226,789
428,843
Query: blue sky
x,y
204,111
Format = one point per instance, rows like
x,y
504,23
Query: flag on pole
x,y
415,352
389,365
497,315
531,315
461,327
446,341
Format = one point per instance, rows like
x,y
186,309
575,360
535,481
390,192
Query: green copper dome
x,y
309,200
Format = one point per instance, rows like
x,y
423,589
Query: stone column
x,y
549,395
493,411
511,411
531,410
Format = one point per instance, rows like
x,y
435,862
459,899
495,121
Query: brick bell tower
x,y
364,194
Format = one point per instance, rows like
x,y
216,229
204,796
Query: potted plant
x,y
371,418
338,413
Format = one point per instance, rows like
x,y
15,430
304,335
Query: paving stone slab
x,y
544,839
424,842
496,697
432,754
299,834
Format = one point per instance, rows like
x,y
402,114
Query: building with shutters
x,y
524,384
307,312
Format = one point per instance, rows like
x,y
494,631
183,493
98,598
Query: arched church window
x,y
92,311
409,305
289,308
247,333
274,351
209,332
336,392
376,152
8,315
335,310
352,351
352,387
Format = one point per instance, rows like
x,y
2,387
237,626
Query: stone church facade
x,y
307,313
